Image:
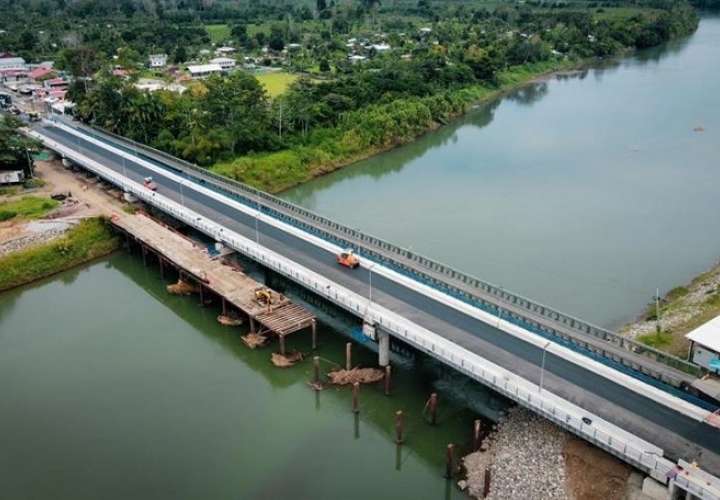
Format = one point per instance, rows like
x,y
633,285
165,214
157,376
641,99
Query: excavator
x,y
348,258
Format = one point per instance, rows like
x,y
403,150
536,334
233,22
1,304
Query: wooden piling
x,y
450,461
433,408
224,306
348,356
355,392
486,482
144,254
477,427
162,267
388,372
282,344
202,296
316,369
399,427
313,326
252,324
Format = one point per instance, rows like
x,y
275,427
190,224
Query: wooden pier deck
x,y
278,315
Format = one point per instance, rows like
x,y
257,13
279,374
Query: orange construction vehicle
x,y
348,259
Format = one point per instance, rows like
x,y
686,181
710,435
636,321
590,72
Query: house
x,y
56,84
223,51
12,63
354,59
157,60
11,177
204,70
41,73
705,345
226,63
380,47
12,68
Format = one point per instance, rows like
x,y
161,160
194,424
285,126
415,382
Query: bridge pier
x,y
383,348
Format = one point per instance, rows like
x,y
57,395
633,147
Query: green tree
x,y
238,104
277,39
180,55
15,148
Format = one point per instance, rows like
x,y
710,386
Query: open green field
x,y
30,207
218,32
276,83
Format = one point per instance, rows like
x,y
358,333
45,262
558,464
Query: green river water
x,y
585,193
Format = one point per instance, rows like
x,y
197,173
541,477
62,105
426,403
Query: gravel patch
x,y
37,232
525,457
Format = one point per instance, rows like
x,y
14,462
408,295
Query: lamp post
x,y
370,269
542,365
257,215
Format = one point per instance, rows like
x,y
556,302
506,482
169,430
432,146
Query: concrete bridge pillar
x,y
383,348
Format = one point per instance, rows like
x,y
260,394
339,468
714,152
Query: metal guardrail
x,y
486,296
512,386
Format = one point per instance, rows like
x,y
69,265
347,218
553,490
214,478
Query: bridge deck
x,y
679,435
281,316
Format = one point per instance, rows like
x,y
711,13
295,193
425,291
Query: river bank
x,y
681,309
42,237
529,457
405,121
338,148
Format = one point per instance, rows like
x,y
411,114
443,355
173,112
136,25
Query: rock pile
x,y
526,457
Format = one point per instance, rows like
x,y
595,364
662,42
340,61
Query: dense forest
x,y
445,56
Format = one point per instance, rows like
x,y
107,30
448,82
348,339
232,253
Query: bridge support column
x,y
383,348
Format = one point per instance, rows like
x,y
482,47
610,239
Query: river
x,y
114,389
585,193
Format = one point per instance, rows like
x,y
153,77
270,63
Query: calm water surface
x,y
111,388
585,193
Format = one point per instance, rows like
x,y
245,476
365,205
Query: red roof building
x,y
41,73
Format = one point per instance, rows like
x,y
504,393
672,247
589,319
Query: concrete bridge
x,y
624,397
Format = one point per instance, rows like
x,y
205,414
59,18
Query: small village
x,y
42,86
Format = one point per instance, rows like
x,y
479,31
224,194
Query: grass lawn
x,y
218,32
30,207
276,83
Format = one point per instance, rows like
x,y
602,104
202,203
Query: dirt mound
x,y
286,360
230,320
361,375
592,473
182,288
253,340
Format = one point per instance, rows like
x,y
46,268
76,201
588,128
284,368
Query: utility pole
x,y
657,312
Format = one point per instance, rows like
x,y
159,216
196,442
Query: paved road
x,y
678,435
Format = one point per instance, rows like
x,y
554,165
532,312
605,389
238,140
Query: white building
x,y
204,70
381,47
354,59
11,177
705,345
226,63
223,51
157,60
12,63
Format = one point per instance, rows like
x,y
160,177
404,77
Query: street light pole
x,y
257,215
542,366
